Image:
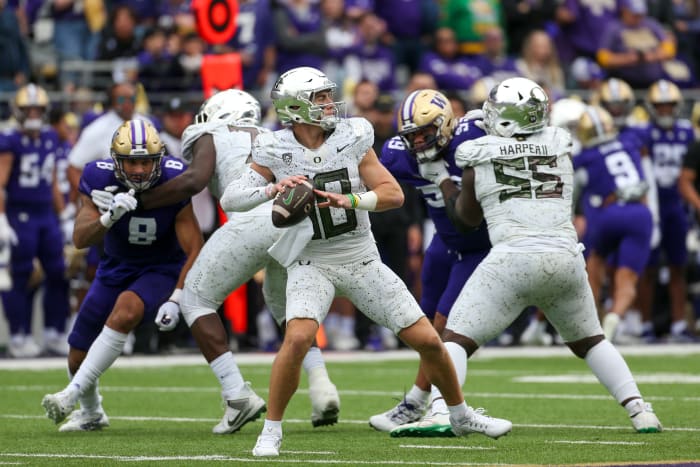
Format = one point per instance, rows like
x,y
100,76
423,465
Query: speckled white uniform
x,y
525,188
342,257
238,249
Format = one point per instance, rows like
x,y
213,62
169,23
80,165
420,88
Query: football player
x,y
667,137
333,250
609,175
217,147
519,178
30,201
423,155
147,253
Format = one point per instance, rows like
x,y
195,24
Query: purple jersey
x,y
142,240
31,178
582,36
404,167
254,33
302,21
667,149
457,74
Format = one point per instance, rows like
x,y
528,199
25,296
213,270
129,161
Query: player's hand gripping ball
x,y
293,205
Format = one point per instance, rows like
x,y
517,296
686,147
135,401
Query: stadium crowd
x,y
86,67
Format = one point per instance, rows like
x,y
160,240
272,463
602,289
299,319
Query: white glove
x,y
102,199
169,312
655,236
67,219
434,171
121,204
168,316
7,233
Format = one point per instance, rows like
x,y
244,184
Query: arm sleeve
x,y
245,193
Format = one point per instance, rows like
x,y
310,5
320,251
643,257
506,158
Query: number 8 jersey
x,y
142,239
525,187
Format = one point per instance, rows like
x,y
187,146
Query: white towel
x,y
291,243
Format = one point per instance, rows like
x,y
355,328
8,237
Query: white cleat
x,y
325,404
478,422
268,444
536,334
83,420
643,418
246,408
23,348
433,425
57,345
59,405
611,321
403,413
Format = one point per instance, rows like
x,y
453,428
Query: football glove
x,y
102,199
434,171
67,219
7,233
169,312
121,204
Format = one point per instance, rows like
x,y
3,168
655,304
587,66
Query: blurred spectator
x,y
469,20
178,16
479,92
686,27
539,62
119,39
190,61
342,38
634,47
419,80
494,61
585,74
524,16
74,37
459,105
300,38
373,60
146,11
410,24
364,96
580,25
254,40
451,70
158,70
664,11
14,66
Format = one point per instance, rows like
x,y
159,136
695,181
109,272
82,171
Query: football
x,y
292,205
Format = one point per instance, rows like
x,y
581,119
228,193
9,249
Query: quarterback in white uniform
x,y
217,147
519,178
334,251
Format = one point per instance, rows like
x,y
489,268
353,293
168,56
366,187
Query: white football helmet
x,y
293,95
516,106
233,106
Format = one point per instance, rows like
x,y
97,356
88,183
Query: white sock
x,y
612,371
458,355
313,359
90,398
272,426
228,374
416,396
460,411
103,352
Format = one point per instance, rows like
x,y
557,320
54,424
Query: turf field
x,y
162,411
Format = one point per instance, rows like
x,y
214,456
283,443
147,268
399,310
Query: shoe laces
x,y
403,412
478,418
270,440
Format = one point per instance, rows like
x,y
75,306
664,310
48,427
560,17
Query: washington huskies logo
x,y
287,158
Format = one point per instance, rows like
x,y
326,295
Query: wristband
x,y
354,200
269,190
366,201
175,297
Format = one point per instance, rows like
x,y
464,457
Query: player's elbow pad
x,y
451,209
245,193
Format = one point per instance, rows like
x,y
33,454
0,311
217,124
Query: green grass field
x,y
162,411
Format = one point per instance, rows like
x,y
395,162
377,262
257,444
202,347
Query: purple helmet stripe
x,y
408,107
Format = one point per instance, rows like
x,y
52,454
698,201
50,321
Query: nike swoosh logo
x,y
341,149
289,197
365,263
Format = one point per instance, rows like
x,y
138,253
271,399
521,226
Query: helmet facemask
x,y
426,113
136,140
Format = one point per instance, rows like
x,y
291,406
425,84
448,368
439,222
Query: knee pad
x,y
193,306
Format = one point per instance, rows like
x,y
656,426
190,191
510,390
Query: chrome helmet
x,y
617,97
664,93
137,140
233,106
595,126
27,98
426,108
516,106
293,97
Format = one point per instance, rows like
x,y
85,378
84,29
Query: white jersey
x,y
339,234
525,189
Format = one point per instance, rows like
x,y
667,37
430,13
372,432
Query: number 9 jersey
x,y
142,240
